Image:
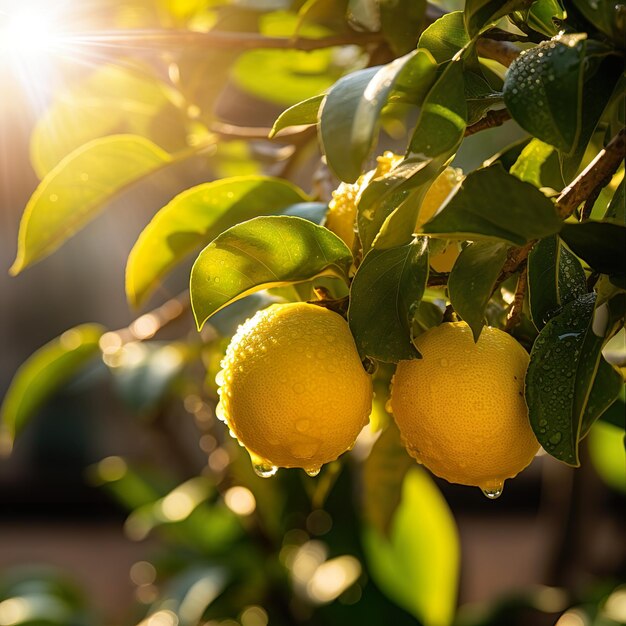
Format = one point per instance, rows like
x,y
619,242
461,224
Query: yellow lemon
x,y
461,408
293,389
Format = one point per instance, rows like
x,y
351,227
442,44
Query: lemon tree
x,y
401,193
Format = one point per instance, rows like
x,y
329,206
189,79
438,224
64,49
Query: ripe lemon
x,y
293,389
461,408
342,209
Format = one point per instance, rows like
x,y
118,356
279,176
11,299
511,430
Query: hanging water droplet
x,y
492,494
264,470
313,471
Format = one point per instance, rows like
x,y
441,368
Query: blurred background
x,y
79,527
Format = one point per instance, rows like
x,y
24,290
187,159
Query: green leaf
x,y
417,566
445,36
44,372
350,115
75,191
605,390
601,244
300,114
383,474
543,90
473,279
606,15
401,21
482,14
493,204
112,99
555,277
261,253
480,97
606,449
539,165
563,365
616,211
194,218
545,17
388,287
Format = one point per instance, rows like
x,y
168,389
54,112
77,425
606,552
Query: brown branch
x,y
491,120
503,52
159,39
593,176
512,319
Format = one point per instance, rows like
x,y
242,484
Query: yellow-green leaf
x,y
44,372
74,191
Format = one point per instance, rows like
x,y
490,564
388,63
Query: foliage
x,y
351,75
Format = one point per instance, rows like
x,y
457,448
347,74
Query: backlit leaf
x,y
75,191
44,372
538,164
481,14
194,218
388,287
304,112
260,253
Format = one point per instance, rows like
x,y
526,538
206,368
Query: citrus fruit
x,y
293,390
461,408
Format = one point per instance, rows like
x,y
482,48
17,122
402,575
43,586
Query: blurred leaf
x,y
44,372
365,14
555,277
539,165
616,211
543,90
388,287
144,372
564,362
417,566
601,244
112,99
260,253
473,279
383,474
606,388
286,76
195,217
401,21
606,449
75,191
350,115
493,204
445,37
304,112
481,14
605,15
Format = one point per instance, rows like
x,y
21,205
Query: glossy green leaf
x,y
194,218
608,453
112,99
44,372
479,96
417,566
383,474
543,90
260,253
75,191
605,15
400,22
555,277
388,287
601,244
493,204
349,119
481,14
473,279
300,114
563,365
544,16
445,36
539,165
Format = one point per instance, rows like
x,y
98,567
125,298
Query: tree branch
x,y
503,52
491,120
512,319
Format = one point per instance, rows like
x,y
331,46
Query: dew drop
x,y
313,471
555,438
492,494
264,470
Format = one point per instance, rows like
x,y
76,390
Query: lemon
x,y
461,408
293,390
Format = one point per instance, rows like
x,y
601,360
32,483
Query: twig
x,y
491,120
513,317
503,52
160,39
593,176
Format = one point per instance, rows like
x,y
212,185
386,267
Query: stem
x,y
491,120
503,52
512,319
